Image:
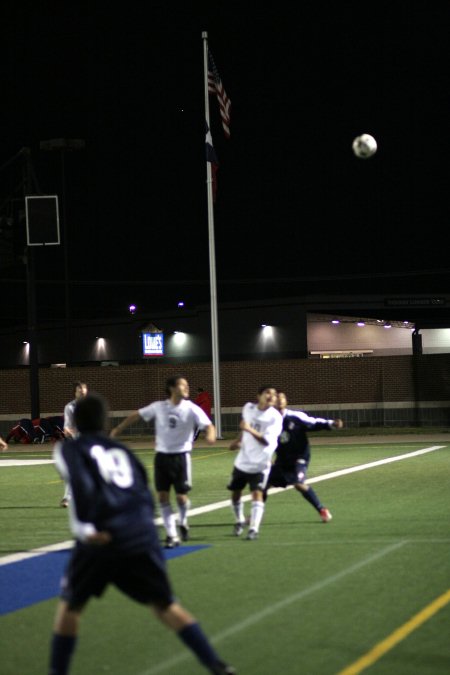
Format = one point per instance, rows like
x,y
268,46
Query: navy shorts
x,y
142,576
255,481
283,476
173,470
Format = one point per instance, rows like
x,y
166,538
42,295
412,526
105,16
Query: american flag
x,y
215,86
211,157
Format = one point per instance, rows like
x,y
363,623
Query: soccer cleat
x,y
221,668
252,535
184,531
64,503
238,529
171,542
325,515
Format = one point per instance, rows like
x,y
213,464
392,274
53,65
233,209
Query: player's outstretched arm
x,y
210,434
127,422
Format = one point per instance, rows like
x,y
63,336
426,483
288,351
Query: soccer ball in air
x,y
364,146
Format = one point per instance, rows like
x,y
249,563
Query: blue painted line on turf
x,y
183,550
30,581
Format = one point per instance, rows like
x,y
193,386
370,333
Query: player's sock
x,y
168,519
312,498
194,638
183,510
61,650
238,510
256,515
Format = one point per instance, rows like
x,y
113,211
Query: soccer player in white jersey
x,y
176,420
80,389
260,426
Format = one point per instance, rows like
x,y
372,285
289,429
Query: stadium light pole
x,y
29,187
63,145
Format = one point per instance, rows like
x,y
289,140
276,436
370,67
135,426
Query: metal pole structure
x,y
31,296
64,144
66,260
212,263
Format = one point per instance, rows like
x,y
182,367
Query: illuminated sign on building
x,y
152,344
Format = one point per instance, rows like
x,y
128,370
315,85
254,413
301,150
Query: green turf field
x,y
368,592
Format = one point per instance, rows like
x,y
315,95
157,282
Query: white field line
x,y
269,610
317,479
24,462
16,557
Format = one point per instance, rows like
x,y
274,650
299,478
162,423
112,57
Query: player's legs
x,y
168,516
144,578
238,510
183,484
184,505
163,481
66,620
276,479
178,619
67,496
238,481
258,486
65,631
311,496
256,513
86,575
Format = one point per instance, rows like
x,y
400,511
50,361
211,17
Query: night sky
x,y
293,202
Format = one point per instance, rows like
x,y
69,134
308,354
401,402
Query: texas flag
x,y
211,157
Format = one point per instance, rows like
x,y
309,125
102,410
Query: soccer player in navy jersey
x,y
176,421
293,453
112,520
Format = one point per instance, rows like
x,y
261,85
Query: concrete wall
x,y
395,390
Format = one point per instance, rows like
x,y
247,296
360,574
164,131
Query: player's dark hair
x,y
76,384
171,382
264,387
90,413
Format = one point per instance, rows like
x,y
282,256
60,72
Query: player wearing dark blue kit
x,y
293,453
112,519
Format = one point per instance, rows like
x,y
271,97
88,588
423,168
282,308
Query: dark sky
x,y
293,202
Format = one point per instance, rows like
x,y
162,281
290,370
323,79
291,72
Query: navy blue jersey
x,y
110,491
293,442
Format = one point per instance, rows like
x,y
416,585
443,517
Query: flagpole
x,y
212,262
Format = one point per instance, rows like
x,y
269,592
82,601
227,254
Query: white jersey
x,y
254,456
69,410
175,425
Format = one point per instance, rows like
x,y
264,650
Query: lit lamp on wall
x,y
267,330
179,338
